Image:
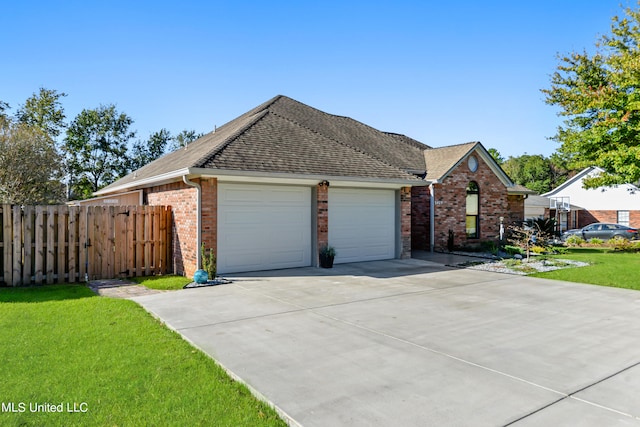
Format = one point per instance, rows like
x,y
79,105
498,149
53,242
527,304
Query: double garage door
x,y
266,227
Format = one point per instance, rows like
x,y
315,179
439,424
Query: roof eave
x,y
267,177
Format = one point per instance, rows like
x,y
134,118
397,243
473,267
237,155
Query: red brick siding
x,y
450,205
184,204
589,217
405,222
515,209
322,216
420,218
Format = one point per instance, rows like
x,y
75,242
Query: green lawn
x,y
163,283
608,268
109,358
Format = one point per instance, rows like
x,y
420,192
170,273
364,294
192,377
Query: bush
x,y
619,244
489,246
574,240
538,249
596,242
513,250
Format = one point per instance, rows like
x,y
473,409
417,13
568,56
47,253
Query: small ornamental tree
x,y
530,234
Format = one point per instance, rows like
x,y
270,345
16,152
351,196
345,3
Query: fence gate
x,y
47,244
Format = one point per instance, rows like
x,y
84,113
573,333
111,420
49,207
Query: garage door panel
x,y
362,224
263,227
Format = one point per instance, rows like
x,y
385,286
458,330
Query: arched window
x,y
473,208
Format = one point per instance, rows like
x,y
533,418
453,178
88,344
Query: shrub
x,y
619,244
538,249
489,246
596,242
574,240
513,250
209,262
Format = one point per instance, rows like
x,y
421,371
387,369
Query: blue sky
x,y
440,72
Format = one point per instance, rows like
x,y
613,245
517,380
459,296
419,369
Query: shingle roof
x,y
285,136
441,160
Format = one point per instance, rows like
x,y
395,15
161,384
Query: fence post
x,y
39,243
7,260
17,245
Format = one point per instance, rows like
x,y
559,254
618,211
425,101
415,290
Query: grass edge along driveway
x,y
606,268
107,361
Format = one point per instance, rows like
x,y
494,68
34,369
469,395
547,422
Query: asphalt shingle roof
x,y
285,136
441,160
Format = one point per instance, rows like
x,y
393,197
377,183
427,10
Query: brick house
x,y
575,206
270,188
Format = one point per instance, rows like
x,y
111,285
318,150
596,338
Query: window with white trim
x,y
623,218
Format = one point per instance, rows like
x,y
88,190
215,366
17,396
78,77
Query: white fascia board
x,y
488,159
147,182
299,179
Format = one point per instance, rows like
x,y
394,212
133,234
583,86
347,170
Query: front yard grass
x,y
163,283
109,357
607,268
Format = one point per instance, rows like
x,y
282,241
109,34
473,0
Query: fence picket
x,y
7,258
27,216
69,244
51,239
17,246
39,245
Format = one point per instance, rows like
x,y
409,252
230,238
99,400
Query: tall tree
x,y
144,152
3,108
532,171
30,166
496,156
44,111
183,139
599,97
96,147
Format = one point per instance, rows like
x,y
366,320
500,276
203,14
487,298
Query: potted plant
x,y
327,254
208,270
209,262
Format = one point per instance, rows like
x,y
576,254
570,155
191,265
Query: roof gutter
x,y
198,218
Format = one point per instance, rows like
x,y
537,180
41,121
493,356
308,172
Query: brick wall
x,y
515,209
405,222
450,205
420,218
322,216
589,217
184,204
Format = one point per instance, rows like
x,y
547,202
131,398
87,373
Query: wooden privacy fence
x,y
59,244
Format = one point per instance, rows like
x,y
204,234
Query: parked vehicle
x,y
602,231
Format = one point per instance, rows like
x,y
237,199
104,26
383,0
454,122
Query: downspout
x,y
198,219
432,212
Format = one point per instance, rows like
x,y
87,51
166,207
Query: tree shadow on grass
x,y
45,293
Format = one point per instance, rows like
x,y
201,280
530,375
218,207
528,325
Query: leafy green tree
x,y
96,149
44,111
144,152
532,171
183,139
599,98
3,107
496,156
31,169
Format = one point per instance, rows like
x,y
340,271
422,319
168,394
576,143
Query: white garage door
x,y
362,224
263,227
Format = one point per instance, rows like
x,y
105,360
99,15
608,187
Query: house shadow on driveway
x,y
422,263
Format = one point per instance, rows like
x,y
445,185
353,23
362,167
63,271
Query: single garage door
x,y
362,224
263,227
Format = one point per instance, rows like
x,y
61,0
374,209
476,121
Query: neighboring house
x,y
615,204
271,187
565,214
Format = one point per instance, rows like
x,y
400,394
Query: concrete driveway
x,y
415,343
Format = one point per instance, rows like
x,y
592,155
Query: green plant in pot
x,y
208,270
326,255
209,262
